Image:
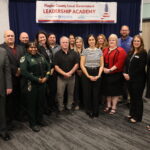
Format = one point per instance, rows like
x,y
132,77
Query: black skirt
x,y
112,84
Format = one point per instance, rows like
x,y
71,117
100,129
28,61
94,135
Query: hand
x,y
92,78
52,71
44,80
8,91
97,77
126,76
106,70
40,80
18,72
67,75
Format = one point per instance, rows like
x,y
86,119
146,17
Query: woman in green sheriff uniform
x,y
35,72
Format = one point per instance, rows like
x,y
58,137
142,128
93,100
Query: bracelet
x,y
110,70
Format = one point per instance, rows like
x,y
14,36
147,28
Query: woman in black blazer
x,y
136,77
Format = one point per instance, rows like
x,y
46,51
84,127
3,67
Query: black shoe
x,y
69,111
43,123
5,136
35,128
96,115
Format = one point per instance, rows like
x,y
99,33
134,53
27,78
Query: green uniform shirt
x,y
34,67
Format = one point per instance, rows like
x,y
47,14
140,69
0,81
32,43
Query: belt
x,y
92,68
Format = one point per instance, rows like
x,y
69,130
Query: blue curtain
x,y
23,18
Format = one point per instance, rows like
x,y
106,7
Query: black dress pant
x,y
35,103
52,90
136,89
2,114
13,102
91,91
78,91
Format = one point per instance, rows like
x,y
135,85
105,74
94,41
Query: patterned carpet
x,y
79,132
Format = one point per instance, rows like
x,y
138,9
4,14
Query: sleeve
x,y
121,59
7,73
24,70
56,58
101,53
84,52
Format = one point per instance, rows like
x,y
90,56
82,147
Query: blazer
x,y
5,75
135,66
13,60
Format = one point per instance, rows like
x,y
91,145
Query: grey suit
x,y
5,83
13,103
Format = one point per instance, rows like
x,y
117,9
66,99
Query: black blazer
x,y
13,60
135,66
42,51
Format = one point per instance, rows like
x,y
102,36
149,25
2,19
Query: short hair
x,y
113,36
30,44
63,37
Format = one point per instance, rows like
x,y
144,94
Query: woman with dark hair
x,y
71,41
136,77
35,72
92,67
43,48
101,41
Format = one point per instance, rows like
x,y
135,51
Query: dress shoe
x,y
69,111
43,123
35,128
5,136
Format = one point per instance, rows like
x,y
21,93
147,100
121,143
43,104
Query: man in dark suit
x,y
24,39
14,53
5,88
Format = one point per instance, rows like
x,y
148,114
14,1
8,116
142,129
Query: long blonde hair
x,y
75,47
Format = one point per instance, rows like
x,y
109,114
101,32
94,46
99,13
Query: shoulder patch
x,y
22,59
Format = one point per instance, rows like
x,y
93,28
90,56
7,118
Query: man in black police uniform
x,y
66,62
5,88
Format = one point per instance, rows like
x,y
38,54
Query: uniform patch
x,y
22,59
32,60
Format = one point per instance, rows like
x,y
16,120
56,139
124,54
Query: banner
x,y
76,12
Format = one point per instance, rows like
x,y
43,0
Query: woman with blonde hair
x,y
101,41
114,58
79,46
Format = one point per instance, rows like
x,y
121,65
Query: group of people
x,y
40,77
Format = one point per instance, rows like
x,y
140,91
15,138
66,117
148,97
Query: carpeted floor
x,y
79,132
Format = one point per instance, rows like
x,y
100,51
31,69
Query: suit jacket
x,y
5,74
135,66
14,60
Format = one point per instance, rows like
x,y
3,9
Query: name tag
x,y
136,56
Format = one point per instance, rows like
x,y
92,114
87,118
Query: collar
x,y
127,38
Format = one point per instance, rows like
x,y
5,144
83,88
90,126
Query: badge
x,y
22,59
136,56
32,60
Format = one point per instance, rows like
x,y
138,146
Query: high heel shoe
x,y
107,109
